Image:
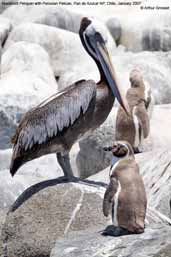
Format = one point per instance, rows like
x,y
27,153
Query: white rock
x,y
27,78
155,167
64,48
47,15
160,127
76,73
26,71
155,241
147,30
114,26
5,27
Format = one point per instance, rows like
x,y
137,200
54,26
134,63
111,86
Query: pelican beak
x,y
108,69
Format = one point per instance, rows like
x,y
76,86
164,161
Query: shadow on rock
x,y
29,192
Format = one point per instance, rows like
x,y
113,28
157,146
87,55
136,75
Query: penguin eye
x,y
120,147
115,146
122,151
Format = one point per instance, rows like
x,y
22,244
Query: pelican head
x,y
94,39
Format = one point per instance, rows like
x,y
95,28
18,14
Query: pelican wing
x,y
54,114
109,195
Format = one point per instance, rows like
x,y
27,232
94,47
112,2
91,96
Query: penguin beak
x,y
110,148
107,148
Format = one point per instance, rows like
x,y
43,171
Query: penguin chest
x,y
125,128
115,206
138,137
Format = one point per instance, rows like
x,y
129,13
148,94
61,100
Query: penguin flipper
x,y
143,119
109,196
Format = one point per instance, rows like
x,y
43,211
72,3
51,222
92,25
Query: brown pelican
x,y
58,122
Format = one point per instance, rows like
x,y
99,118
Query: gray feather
x,y
55,114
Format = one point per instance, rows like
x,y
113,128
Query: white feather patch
x,y
97,26
152,102
115,162
116,200
136,124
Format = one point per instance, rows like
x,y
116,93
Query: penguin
x,y
135,127
125,197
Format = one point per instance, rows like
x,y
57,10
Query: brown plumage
x,y
62,119
56,125
126,192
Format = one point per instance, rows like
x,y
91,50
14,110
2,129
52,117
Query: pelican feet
x,y
64,162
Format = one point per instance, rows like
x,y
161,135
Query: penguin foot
x,y
115,231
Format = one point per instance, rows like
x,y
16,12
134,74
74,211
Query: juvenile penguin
x,y
135,127
125,196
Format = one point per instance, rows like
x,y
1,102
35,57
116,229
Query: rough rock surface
x,y
7,128
23,84
156,173
91,157
157,39
164,252
153,242
34,215
32,229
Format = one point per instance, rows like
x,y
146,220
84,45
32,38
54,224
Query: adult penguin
x,y
135,127
125,196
